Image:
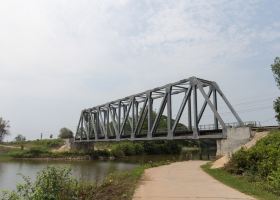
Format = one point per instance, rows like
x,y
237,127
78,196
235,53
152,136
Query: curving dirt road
x,y
183,180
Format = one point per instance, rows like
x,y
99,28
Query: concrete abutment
x,y
236,137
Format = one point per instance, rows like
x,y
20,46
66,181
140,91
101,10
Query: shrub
x,y
261,162
117,152
139,149
274,181
51,184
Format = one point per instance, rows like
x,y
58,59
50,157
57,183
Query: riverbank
x,y
117,185
48,150
240,183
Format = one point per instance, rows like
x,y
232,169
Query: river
x,y
95,170
83,170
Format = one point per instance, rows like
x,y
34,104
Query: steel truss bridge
x,y
133,117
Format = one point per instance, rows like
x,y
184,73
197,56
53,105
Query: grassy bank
x,y
58,184
241,183
118,150
254,171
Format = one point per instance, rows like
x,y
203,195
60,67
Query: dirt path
x,y
11,147
183,180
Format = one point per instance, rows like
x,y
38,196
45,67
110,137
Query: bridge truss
x,y
133,117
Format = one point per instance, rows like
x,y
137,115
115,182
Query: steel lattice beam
x,y
133,117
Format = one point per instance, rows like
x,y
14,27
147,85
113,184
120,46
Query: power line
x,y
255,101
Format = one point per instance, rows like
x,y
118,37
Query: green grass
x,y
240,183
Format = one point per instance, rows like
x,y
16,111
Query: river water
x,y
94,170
84,170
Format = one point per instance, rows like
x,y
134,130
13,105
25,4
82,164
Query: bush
x,y
33,152
261,162
103,153
51,184
117,152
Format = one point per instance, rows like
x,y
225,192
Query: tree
x,y
65,133
4,128
277,109
275,67
20,138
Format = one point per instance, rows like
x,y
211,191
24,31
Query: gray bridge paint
x,y
108,122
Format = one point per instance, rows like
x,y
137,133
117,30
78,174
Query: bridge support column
x,y
81,146
236,137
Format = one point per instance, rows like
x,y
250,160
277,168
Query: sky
x,y
60,56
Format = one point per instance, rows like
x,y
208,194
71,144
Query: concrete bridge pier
x,y
79,146
236,137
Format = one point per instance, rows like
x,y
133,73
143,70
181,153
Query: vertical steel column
x,y
190,113
82,127
133,118
118,135
216,125
136,111
107,122
96,122
150,112
169,112
88,124
195,128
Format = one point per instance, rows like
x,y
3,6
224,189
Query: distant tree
x,y
275,67
4,128
20,138
277,109
65,133
51,136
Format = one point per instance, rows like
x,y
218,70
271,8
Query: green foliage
x,y
57,184
33,152
274,181
50,184
261,162
276,106
241,183
4,128
275,67
102,152
65,133
149,148
46,143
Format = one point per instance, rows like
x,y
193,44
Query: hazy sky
x,y
60,56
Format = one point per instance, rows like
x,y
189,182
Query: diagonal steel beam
x,y
228,104
181,109
126,116
204,106
141,116
211,106
113,120
161,109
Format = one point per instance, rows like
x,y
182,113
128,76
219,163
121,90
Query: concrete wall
x,y
79,146
236,137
